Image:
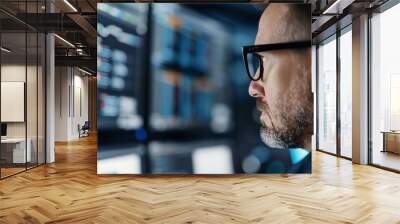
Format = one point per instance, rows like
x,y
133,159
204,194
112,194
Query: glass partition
x,y
385,89
327,96
22,88
14,153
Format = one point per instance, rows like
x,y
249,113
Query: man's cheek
x,y
273,98
265,119
277,84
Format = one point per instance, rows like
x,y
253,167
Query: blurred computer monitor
x,y
3,129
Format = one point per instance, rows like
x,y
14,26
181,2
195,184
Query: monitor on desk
x,y
3,130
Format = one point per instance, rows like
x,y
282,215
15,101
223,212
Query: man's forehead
x,y
271,24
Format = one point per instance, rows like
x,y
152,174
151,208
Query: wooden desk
x,y
16,147
391,141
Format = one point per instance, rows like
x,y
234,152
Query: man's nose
x,y
256,89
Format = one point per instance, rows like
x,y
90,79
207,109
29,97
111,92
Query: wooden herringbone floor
x,y
69,191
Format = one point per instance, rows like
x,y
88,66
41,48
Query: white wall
x,y
71,94
16,72
62,80
81,83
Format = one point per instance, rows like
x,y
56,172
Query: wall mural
x,y
204,89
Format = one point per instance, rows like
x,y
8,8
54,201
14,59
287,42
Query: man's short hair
x,y
299,22
295,23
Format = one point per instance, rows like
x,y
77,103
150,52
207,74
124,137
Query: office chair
x,y
84,130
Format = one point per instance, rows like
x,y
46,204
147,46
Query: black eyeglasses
x,y
253,61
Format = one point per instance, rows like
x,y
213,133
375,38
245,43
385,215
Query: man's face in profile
x,y
283,95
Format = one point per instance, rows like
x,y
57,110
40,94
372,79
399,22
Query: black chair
x,y
84,130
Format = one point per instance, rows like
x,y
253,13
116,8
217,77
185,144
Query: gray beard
x,y
296,127
271,139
